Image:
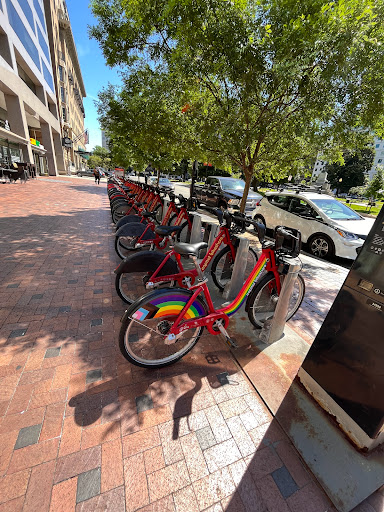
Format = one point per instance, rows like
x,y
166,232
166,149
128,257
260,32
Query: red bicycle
x,y
152,269
164,325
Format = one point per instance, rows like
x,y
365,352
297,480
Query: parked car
x,y
88,172
328,226
163,183
222,191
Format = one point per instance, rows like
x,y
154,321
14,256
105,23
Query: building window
x,y
43,44
47,76
25,7
22,34
62,94
39,13
25,78
377,145
64,111
379,160
61,73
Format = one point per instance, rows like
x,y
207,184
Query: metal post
x,y
210,231
165,208
273,328
196,228
233,287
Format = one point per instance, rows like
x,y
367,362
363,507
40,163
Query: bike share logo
x,y
377,291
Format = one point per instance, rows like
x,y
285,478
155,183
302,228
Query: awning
x,y
83,153
12,137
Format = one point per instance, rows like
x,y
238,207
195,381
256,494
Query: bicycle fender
x,y
135,229
127,219
146,261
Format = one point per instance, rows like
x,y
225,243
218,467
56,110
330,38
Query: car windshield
x,y
232,184
336,210
164,181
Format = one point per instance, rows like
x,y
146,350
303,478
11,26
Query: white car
x,y
328,226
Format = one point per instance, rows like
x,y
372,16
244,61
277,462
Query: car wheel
x,y
260,218
321,246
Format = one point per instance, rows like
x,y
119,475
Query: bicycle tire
x,y
130,286
263,299
158,211
120,211
222,266
145,323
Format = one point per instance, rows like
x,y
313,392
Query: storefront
x,y
39,157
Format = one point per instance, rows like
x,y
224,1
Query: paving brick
x,y
20,399
13,486
258,408
154,459
143,403
191,423
88,485
71,436
205,437
140,441
27,436
100,434
213,488
111,465
113,500
292,461
185,500
218,424
136,488
76,463
262,463
15,505
53,421
93,376
221,455
284,481
310,498
272,497
33,455
62,376
51,397
36,376
233,407
246,488
38,495
194,457
230,504
18,333
18,421
155,416
168,480
241,436
170,442
7,442
64,496
52,352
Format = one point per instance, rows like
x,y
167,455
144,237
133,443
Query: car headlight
x,y
347,235
234,202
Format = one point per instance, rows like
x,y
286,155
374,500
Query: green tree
x,y
264,83
375,187
101,155
352,172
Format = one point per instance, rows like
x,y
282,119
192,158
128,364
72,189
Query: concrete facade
x,y
69,84
29,122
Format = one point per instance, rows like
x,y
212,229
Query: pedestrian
x,y
96,173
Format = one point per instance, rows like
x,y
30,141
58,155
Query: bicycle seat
x,y
189,249
167,230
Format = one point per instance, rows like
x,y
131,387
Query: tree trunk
x,y
158,177
248,172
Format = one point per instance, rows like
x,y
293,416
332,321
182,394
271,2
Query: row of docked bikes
x,y
165,284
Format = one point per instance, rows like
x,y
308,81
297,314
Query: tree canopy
x,y
352,172
259,84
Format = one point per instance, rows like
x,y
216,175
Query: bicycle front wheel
x,y
264,297
222,266
145,326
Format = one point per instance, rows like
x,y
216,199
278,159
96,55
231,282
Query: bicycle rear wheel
x,y
222,266
147,322
263,300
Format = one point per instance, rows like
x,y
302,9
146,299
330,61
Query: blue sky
x,y
96,74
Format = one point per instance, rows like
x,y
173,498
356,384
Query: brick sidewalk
x,y
81,429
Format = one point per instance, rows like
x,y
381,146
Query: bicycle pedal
x,y
231,342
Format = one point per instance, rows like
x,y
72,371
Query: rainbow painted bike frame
x,y
267,261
